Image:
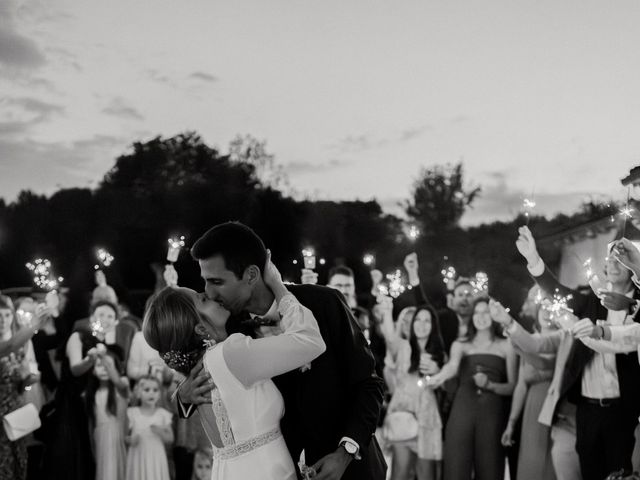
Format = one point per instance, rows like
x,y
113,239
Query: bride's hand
x,y
273,279
271,275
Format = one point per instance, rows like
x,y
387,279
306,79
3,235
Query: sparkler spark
x,y
175,244
104,257
414,232
42,274
480,283
368,259
396,284
528,206
626,212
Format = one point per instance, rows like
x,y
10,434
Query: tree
x,y
251,151
439,198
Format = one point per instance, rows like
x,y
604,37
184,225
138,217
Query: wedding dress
x,y
246,438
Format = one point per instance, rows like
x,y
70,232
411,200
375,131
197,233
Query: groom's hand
x,y
332,466
196,389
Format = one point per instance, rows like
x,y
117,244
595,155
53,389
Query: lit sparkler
x,y
369,260
309,257
396,284
480,283
42,274
414,233
104,258
449,277
175,245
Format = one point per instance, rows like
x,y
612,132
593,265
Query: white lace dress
x,y
247,405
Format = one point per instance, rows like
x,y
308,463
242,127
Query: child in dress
x,y
106,398
149,431
202,463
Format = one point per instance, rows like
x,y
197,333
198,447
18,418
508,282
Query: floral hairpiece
x,y
181,361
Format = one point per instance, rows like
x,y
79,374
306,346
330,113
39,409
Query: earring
x,y
208,342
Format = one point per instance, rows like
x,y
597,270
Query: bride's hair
x,y
169,327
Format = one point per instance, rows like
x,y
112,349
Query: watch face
x,y
350,448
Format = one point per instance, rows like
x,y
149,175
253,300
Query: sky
x,y
537,99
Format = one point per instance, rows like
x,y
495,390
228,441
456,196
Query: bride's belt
x,y
241,448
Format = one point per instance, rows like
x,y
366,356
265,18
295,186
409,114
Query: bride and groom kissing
x,y
286,370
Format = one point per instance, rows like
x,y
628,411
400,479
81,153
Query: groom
x,y
331,409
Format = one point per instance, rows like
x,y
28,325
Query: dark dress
x,y
477,420
68,446
13,455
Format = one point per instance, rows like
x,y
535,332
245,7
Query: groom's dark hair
x,y
236,243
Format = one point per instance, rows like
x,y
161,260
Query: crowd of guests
x,y
472,392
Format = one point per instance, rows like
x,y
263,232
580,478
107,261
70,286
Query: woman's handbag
x,y
400,426
21,421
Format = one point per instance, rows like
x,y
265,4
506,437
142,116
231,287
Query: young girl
x,y
202,464
149,431
106,399
421,355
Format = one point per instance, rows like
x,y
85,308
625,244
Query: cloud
x,y
22,113
365,141
119,108
158,77
411,133
206,77
16,50
301,167
498,202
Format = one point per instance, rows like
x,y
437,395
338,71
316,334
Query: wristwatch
x,y
351,448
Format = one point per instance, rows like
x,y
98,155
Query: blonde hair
x,y
138,387
169,322
201,454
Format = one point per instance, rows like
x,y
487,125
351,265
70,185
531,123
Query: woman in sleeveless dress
x,y
247,406
486,364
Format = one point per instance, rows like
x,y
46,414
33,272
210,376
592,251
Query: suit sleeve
x,y
365,388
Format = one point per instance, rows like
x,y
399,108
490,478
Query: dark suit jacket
x,y
589,306
340,396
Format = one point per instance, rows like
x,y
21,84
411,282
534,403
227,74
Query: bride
x,y
246,405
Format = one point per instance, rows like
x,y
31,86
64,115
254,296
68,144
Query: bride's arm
x,y
251,360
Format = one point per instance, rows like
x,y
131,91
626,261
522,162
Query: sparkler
x,y
309,257
175,244
596,284
528,206
369,260
42,274
559,311
480,283
104,257
626,212
414,233
396,284
449,277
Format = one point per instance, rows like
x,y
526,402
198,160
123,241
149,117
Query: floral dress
x,y
411,395
13,455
